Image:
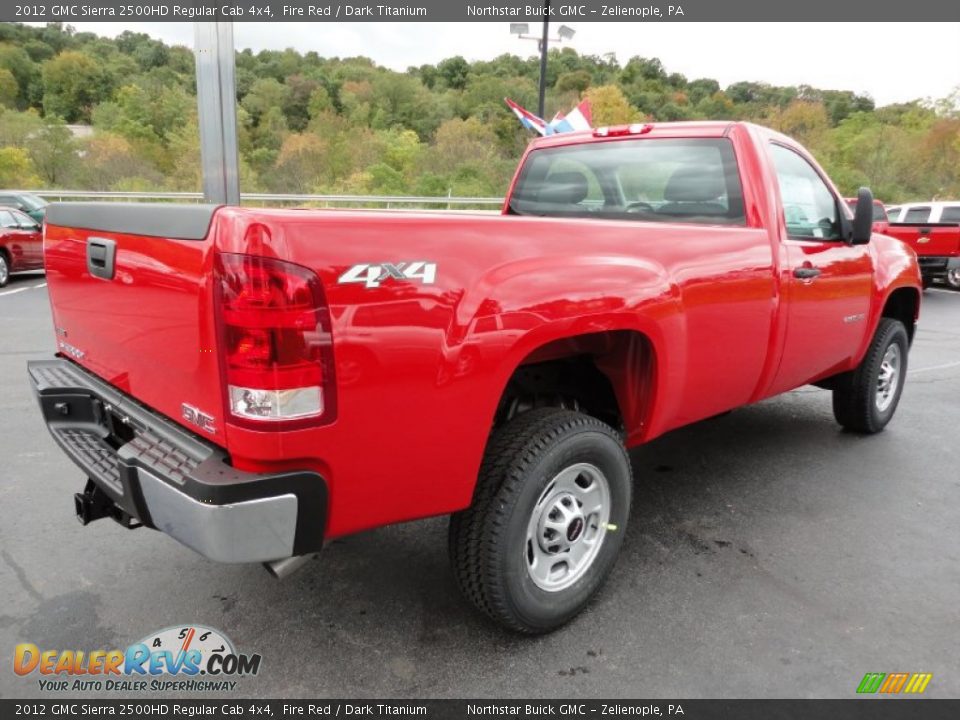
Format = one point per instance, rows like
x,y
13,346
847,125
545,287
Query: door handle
x,y
806,273
101,254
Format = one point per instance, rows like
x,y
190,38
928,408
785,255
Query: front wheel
x,y
547,522
953,277
4,270
865,399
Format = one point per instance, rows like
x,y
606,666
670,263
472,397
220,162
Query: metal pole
x,y
217,112
543,56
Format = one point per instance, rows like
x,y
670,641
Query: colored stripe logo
x,y
894,683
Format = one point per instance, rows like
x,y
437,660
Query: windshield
x,y
32,202
644,180
23,220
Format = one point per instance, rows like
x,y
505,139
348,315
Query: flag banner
x,y
580,118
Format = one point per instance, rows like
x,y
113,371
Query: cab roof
x,y
695,128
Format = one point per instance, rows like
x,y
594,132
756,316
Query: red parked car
x,y
21,244
256,382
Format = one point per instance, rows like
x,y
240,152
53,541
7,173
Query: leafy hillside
x,y
345,125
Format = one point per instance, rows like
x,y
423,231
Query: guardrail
x,y
378,201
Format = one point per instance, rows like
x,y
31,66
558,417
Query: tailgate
x,y
936,240
132,302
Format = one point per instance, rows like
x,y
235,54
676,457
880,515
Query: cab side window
x,y
917,215
7,220
810,209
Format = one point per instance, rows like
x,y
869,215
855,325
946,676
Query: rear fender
x,y
618,310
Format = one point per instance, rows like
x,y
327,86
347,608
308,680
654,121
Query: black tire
x,y
953,278
489,546
927,284
4,269
855,395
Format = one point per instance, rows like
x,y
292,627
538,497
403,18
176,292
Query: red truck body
x,y
682,321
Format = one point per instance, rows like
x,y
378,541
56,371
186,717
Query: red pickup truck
x,y
255,382
932,229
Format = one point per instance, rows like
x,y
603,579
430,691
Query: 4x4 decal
x,y
372,275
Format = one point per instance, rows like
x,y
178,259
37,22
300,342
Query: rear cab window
x,y
692,180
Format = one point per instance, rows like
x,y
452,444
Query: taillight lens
x,y
275,333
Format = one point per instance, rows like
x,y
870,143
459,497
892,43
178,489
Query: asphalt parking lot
x,y
769,555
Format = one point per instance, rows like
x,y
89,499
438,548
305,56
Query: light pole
x,y
522,31
217,112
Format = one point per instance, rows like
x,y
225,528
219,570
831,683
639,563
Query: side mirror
x,y
862,218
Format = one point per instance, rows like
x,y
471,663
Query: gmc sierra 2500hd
x,y
255,382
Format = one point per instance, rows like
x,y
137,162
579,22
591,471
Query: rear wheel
x,y
865,399
4,270
547,522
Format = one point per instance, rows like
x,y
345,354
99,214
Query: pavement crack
x,y
21,575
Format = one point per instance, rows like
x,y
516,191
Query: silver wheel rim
x,y
889,379
953,277
4,270
567,527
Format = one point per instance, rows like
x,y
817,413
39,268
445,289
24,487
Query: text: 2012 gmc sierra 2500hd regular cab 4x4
x,y
255,382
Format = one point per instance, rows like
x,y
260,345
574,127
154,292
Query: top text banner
x,y
503,11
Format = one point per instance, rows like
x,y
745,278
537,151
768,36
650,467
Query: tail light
x,y
274,328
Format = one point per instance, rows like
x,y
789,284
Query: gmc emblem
x,y
197,417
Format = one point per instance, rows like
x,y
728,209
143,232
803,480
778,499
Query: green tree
x,y
301,163
112,161
73,82
16,128
453,72
16,169
803,120
265,95
53,152
17,62
9,90
610,107
576,81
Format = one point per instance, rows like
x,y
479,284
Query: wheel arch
x,y
903,304
610,374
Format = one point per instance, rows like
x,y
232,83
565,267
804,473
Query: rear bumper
x,y
173,481
934,267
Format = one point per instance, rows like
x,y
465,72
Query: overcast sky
x,y
893,62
